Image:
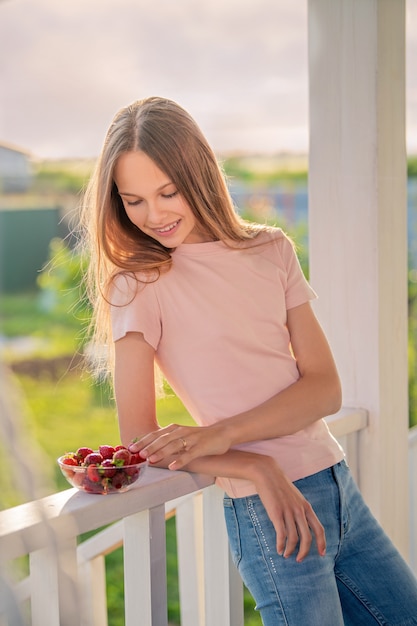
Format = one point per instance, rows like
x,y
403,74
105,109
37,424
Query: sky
x,y
238,66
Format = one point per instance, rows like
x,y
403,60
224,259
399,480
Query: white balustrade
x,y
67,583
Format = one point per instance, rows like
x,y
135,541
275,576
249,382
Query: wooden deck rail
x,y
67,583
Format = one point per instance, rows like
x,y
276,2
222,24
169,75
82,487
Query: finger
x,y
292,538
163,449
281,533
305,541
140,442
173,442
318,530
184,456
154,441
168,446
181,461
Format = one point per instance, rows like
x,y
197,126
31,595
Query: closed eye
x,y
138,201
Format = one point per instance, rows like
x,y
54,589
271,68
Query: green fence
x,y
24,240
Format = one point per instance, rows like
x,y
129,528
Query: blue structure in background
x,y
288,204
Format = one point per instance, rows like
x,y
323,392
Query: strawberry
x,y
83,452
119,447
109,469
121,457
90,487
93,457
136,458
106,451
93,473
132,471
77,479
69,459
119,480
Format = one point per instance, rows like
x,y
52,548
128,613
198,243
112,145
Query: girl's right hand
x,y
292,515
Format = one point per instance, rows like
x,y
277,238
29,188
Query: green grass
x,y
60,415
54,333
62,410
60,177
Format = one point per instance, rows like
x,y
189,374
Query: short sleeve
x,y
298,290
134,308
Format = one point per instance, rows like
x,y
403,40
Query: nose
x,y
156,213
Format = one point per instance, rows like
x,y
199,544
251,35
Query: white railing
x,y
67,583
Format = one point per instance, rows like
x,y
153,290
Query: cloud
x,y
68,67
239,66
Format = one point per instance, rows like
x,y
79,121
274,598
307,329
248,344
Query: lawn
x,y
63,408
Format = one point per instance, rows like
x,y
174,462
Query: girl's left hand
x,y
185,443
292,515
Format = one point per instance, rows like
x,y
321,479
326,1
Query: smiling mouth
x,y
167,229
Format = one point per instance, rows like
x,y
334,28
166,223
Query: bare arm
x,y
134,386
291,514
314,395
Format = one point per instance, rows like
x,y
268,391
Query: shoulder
x,y
134,307
274,239
125,286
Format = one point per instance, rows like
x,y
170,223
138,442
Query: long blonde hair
x,y
167,134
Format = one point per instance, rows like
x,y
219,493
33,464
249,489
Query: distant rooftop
x,y
13,148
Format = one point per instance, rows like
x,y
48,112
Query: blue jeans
x,y
361,580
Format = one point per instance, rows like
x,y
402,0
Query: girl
x,y
222,308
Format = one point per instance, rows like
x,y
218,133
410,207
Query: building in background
x,y
15,169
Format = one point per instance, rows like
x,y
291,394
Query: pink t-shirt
x,y
217,321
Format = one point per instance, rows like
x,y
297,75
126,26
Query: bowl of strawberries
x,y
110,469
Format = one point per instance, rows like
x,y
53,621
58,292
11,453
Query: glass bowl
x,y
100,479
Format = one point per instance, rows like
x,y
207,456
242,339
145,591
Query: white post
x,y
358,236
145,568
44,587
54,583
92,577
189,526
223,585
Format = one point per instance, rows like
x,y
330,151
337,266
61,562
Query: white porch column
x,y
358,236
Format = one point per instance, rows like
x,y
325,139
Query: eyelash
x,y
167,196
